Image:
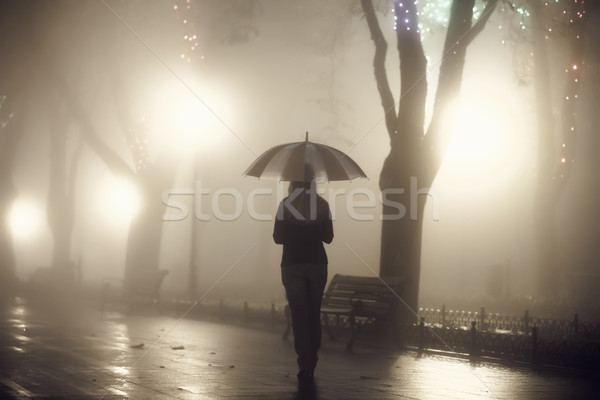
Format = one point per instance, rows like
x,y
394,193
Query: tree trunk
x,y
414,158
145,232
59,205
11,135
61,199
554,167
545,211
581,230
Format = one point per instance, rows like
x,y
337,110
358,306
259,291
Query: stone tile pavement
x,y
81,353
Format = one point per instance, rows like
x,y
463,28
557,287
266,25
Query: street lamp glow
x,y
117,201
190,119
481,140
25,219
193,121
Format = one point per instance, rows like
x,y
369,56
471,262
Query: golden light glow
x,y
189,120
117,201
481,140
25,219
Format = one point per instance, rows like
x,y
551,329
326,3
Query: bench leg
x,y
350,343
328,327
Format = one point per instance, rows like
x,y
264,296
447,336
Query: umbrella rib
x,y
349,169
262,162
287,162
294,165
335,165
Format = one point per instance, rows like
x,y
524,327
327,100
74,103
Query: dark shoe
x,y
305,375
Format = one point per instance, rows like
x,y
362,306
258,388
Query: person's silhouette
x,y
307,390
302,225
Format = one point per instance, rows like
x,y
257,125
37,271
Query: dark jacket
x,y
303,237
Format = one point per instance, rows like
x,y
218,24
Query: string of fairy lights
x,y
563,19
434,15
563,25
137,142
183,10
574,13
136,137
403,16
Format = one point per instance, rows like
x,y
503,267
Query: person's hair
x,y
302,204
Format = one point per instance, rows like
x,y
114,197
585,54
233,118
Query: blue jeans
x,y
304,285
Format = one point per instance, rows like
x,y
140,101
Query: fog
x,y
120,115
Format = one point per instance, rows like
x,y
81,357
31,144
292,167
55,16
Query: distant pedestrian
x,y
302,225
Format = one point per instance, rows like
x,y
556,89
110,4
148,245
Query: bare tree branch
x,y
480,24
112,160
383,86
450,77
413,77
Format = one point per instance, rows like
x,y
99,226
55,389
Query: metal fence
x,y
568,343
573,352
516,325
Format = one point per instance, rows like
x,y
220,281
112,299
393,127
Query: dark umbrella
x,y
287,162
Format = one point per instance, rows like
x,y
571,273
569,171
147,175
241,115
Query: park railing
x,y
476,335
565,343
513,324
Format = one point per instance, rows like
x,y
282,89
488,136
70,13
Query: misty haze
x,y
127,129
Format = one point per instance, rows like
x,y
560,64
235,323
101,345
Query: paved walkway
x,y
93,355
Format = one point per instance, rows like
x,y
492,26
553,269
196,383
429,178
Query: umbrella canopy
x,y
288,162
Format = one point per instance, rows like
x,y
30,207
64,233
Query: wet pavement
x,y
81,353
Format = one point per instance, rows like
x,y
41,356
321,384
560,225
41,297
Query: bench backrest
x,y
367,294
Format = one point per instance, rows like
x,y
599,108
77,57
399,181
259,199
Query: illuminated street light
x,y
25,219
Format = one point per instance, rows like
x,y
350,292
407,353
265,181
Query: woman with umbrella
x,y
302,225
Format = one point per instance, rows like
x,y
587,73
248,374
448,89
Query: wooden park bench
x,y
358,303
143,289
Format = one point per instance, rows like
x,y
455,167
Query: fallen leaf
x,y
137,346
178,348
